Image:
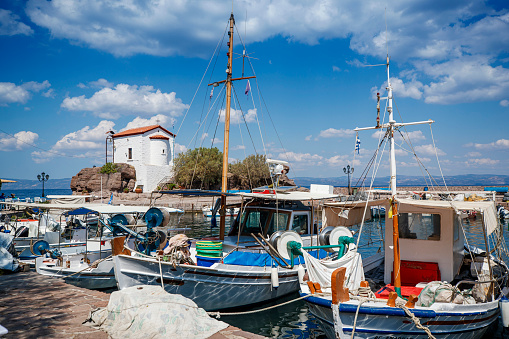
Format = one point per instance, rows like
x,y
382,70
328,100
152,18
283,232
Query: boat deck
x,y
37,306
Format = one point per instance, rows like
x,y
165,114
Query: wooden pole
x,y
224,179
395,240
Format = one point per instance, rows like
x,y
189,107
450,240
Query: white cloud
x,y
204,135
101,83
499,144
127,100
504,103
10,24
412,89
473,154
308,137
216,141
180,148
336,133
19,141
238,147
481,162
236,116
454,46
11,93
336,69
300,157
159,119
85,143
85,138
428,150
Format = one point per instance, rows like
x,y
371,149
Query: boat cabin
x,y
431,238
268,218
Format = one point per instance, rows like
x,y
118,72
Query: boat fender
x,y
504,310
301,272
274,277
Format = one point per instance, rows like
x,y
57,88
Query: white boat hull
x,y
379,320
102,277
212,288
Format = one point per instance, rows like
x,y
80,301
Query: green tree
x,y
249,173
199,168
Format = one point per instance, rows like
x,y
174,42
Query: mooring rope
x,y
219,314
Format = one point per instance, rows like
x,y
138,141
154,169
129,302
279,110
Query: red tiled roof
x,y
159,137
140,130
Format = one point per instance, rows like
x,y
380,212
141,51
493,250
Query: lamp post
x,y
348,171
43,177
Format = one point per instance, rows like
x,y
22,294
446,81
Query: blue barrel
x,y
497,189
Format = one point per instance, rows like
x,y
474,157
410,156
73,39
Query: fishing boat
x,y
436,283
92,267
239,268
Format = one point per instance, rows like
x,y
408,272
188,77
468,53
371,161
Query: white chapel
x,y
150,150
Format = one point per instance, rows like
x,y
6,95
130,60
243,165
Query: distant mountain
x,y
24,184
406,180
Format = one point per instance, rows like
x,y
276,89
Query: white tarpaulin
x,y
7,261
150,312
320,271
487,208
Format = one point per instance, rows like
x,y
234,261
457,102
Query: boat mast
x,y
229,80
391,128
394,207
224,177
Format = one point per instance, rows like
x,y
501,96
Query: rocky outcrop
x,y
89,180
284,180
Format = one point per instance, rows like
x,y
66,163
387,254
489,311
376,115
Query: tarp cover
x,y
150,312
262,259
7,261
320,271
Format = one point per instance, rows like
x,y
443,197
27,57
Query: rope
x,y
361,301
161,272
401,304
95,263
219,314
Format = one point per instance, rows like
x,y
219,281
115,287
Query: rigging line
x,y
189,145
219,43
431,178
438,161
370,162
199,127
409,141
244,118
266,108
63,155
245,154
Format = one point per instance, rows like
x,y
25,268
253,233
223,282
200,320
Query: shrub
x,y
108,168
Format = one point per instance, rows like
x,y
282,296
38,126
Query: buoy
x,y
504,310
274,277
301,272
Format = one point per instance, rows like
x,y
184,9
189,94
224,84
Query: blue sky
x,y
72,70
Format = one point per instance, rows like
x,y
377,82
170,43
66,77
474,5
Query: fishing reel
x,y
42,247
153,241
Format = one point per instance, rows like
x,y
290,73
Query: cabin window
x,y
420,226
255,222
300,223
456,227
278,222
163,150
130,154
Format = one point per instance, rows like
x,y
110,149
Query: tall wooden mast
x,y
224,177
228,81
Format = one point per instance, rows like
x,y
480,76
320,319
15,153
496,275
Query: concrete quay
x,y
37,306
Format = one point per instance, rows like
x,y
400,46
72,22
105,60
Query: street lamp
x,y
43,177
348,171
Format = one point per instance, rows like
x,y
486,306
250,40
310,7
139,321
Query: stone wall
x,y
89,180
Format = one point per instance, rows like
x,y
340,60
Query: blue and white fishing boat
x,y
437,284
